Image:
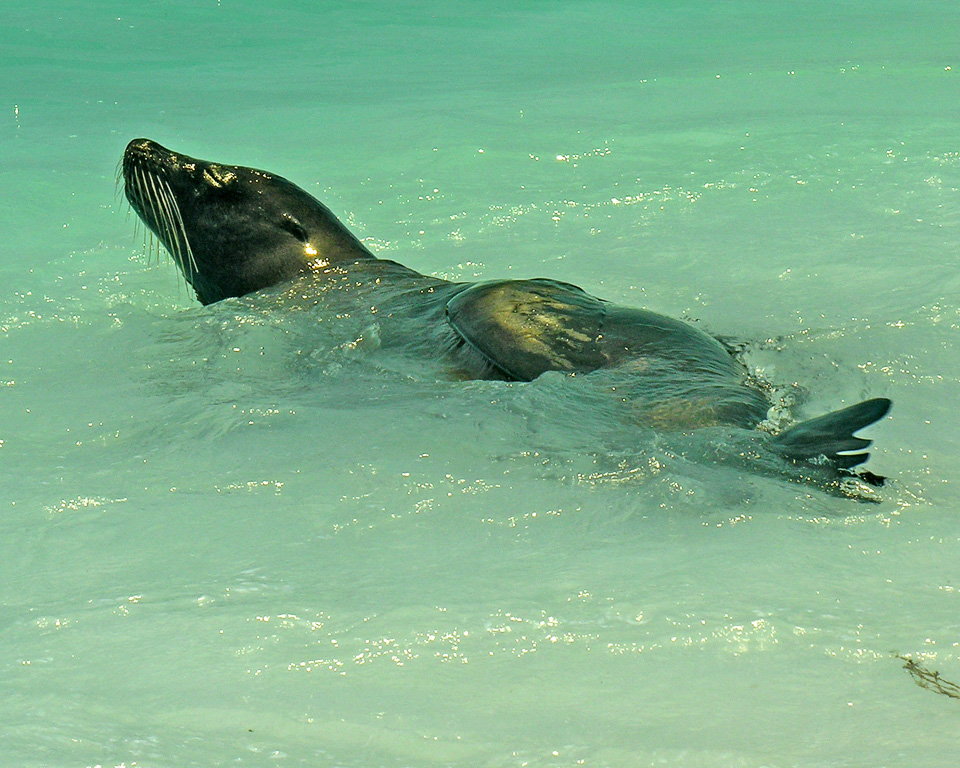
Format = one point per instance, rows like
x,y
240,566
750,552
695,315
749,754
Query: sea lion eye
x,y
294,227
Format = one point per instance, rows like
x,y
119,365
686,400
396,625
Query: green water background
x,y
212,555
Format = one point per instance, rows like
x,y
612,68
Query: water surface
x,y
229,541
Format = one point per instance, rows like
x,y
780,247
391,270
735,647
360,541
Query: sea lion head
x,y
232,230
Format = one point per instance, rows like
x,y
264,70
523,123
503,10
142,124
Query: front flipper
x,y
527,327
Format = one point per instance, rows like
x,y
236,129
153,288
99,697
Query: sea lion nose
x,y
147,150
141,148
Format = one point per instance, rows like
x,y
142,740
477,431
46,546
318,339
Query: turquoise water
x,y
229,541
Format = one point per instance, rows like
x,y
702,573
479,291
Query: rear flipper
x,y
828,438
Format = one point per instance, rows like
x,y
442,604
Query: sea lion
x,y
234,230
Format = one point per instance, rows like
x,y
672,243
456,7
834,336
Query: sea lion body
x,y
234,230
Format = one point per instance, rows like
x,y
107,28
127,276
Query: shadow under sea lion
x,y
234,231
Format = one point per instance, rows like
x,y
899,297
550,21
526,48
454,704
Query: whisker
x,y
182,229
173,246
135,190
118,179
167,203
160,221
176,223
150,241
150,195
144,193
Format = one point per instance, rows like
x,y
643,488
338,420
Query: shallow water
x,y
229,540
